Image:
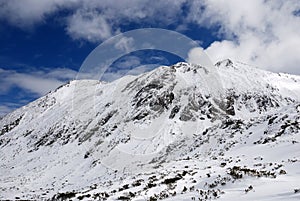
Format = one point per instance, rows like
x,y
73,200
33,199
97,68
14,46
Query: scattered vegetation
x,y
237,172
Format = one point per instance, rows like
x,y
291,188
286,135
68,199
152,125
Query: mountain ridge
x,y
136,126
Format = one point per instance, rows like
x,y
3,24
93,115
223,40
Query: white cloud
x,y
38,82
91,20
194,56
27,13
125,44
62,74
4,110
111,76
127,63
33,85
261,32
88,25
198,56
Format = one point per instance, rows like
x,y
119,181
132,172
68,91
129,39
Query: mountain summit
x,y
182,132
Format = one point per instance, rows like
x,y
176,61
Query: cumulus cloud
x,y
198,56
98,20
88,25
264,33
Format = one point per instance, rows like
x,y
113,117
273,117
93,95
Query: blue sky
x,y
43,43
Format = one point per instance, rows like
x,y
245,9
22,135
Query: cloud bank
x,y
36,83
260,32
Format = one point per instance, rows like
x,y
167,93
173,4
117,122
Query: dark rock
x,y
174,111
172,180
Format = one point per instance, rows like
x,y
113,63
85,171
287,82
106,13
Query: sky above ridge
x,y
43,43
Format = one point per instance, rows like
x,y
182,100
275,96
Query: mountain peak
x,y
225,62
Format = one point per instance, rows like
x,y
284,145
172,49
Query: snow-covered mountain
x,y
175,133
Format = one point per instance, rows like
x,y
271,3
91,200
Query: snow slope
x,y
175,133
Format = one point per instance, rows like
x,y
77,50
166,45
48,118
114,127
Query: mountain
x,y
184,132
